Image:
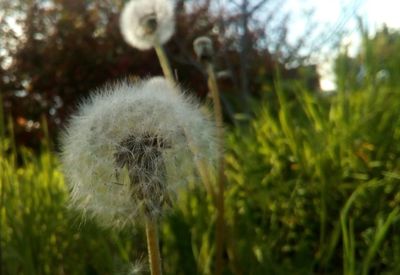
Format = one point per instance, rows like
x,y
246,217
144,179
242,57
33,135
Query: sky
x,y
331,12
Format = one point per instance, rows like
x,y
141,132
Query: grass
x,y
38,234
320,178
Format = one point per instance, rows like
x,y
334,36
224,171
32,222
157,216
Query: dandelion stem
x,y
200,165
153,247
220,226
213,86
202,169
166,67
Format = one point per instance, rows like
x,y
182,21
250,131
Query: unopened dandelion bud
x,y
147,23
203,48
125,153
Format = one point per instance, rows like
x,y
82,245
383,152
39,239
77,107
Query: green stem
x,y
165,66
201,165
202,169
220,226
153,247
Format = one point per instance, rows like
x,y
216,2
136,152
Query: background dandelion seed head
x,y
145,23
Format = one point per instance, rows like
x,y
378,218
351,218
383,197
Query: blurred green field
x,y
312,188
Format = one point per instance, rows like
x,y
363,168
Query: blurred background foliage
x,y
62,49
312,177
376,63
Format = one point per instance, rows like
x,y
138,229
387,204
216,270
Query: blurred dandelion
x,y
203,48
125,153
146,24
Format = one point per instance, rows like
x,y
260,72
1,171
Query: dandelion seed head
x,y
145,23
126,152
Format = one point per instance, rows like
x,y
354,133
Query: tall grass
x,y
315,184
38,234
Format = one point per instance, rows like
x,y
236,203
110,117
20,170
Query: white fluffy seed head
x,y
145,23
126,152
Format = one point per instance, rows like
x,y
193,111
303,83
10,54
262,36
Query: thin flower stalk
x,y
205,53
153,246
164,63
220,227
201,165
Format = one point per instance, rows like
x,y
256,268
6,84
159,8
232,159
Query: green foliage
x,y
314,185
312,188
38,234
375,64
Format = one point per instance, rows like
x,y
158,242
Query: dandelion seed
x,y
125,153
136,268
147,23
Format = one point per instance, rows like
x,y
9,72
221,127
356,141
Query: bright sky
x,y
375,12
